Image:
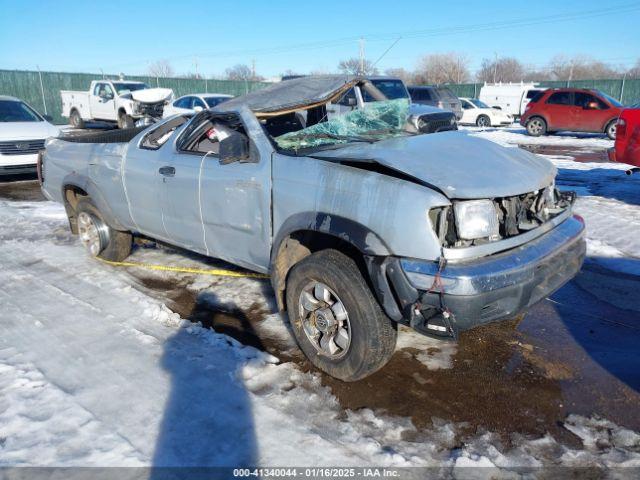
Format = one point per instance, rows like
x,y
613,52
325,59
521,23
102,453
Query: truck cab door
x,y
222,210
102,101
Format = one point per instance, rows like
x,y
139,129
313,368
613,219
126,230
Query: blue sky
x,y
125,36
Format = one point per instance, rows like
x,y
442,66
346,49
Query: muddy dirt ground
x,y
573,353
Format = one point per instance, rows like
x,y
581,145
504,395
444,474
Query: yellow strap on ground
x,y
197,271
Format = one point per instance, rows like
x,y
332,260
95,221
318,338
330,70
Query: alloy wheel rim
x,y
91,234
536,126
325,320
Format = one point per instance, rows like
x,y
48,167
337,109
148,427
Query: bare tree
x,y
505,69
351,66
161,68
239,72
580,67
449,67
634,72
401,73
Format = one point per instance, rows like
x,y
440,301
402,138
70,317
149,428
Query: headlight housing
x,y
476,219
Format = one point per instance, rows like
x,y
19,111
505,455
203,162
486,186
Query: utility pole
x,y
495,66
44,101
195,64
361,49
253,69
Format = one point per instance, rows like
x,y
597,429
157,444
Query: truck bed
x,y
102,136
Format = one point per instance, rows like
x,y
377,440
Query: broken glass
x,y
376,121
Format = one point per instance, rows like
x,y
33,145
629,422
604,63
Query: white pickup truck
x,y
119,101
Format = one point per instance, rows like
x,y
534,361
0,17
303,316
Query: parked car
x,y
627,145
427,119
361,223
23,132
572,109
118,101
476,112
436,96
194,103
511,98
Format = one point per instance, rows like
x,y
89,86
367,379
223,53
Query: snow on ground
x,y
96,372
517,135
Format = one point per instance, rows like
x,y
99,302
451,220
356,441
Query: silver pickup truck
x,y
361,221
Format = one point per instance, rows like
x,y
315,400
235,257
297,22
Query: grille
x,y
437,122
152,109
24,147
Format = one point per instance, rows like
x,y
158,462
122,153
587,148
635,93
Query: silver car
x,y
436,96
362,222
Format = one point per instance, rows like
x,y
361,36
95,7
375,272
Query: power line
x,y
442,31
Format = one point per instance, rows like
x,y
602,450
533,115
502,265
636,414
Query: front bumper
x,y
490,288
18,164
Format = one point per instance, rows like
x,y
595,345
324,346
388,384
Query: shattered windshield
x,y
376,121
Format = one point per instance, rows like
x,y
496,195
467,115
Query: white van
x,y
511,98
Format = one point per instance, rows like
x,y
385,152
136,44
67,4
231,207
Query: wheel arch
x,y
306,233
75,187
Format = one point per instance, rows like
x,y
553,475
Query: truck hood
x,y
458,164
152,95
27,131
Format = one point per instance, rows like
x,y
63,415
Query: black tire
x,y
372,334
536,126
115,245
610,129
124,120
75,120
483,121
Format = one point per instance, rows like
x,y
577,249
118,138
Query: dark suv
x,y
435,96
573,109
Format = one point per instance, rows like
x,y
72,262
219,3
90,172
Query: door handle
x,y
167,171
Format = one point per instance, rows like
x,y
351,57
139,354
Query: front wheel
x,y
611,129
483,121
536,126
335,318
124,120
99,239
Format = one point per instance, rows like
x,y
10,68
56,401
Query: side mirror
x,y
48,118
197,109
234,148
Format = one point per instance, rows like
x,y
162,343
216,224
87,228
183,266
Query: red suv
x,y
573,109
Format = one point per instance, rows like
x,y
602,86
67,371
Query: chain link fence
x,y
42,89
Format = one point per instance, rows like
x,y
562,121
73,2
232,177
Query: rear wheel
x,y
536,126
124,120
483,121
611,129
99,239
75,120
335,318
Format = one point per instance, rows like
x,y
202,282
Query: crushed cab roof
x,y
295,94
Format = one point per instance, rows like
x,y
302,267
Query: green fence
x,y
627,90
42,89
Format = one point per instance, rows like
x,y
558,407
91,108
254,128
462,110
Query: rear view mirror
x,y
234,148
351,102
197,109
